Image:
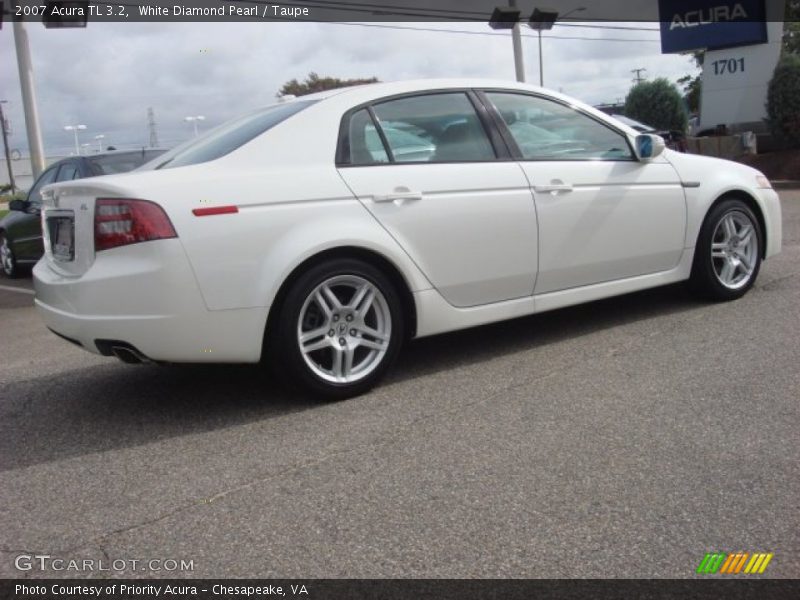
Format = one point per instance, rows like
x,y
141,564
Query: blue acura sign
x,y
693,24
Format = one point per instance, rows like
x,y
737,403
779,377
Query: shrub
x,y
657,103
783,100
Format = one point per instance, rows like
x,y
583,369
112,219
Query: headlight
x,y
763,182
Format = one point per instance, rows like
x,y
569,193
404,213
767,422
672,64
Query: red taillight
x,y
118,222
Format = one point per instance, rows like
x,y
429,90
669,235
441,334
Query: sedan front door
x,y
603,214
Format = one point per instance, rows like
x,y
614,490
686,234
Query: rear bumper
x,y
146,295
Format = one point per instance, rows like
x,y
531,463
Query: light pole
x,y
5,147
99,139
543,21
74,129
29,98
508,18
194,120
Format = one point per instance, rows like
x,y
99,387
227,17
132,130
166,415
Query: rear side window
x,y
443,127
232,135
364,142
68,172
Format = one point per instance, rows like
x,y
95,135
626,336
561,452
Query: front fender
x,y
707,179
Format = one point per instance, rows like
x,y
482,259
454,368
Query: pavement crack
x,y
99,540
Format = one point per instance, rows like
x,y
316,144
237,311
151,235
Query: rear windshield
x,y
232,135
122,162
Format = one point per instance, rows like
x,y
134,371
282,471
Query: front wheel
x,y
7,261
728,252
339,329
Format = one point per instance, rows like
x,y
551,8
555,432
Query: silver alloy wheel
x,y
344,329
734,249
6,257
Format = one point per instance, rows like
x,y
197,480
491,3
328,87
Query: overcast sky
x,y
107,75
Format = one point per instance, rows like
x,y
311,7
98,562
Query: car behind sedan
x,y
318,234
21,230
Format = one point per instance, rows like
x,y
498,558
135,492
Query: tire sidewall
x,y
704,277
14,267
287,349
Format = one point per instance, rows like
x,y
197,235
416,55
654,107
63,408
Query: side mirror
x,y
20,205
648,146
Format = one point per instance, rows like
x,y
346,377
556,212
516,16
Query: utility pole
x,y
516,40
151,124
34,132
5,147
637,77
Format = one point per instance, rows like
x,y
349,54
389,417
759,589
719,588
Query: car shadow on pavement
x,y
114,406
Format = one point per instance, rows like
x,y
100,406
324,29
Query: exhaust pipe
x,y
129,355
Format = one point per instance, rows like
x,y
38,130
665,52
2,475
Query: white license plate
x,y
63,243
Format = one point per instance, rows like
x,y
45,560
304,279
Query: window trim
x,y
499,145
500,123
376,123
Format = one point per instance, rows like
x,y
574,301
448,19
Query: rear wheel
x,y
7,261
728,253
339,329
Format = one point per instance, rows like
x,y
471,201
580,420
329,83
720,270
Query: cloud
x,y
107,75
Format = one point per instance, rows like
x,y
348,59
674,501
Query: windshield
x,y
231,135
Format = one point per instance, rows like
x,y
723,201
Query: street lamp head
x,y
542,20
504,17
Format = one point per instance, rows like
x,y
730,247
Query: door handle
x,y
399,193
554,187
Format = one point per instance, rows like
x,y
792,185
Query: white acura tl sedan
x,y
319,233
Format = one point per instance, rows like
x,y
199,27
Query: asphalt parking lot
x,y
624,438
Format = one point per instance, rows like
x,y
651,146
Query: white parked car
x,y
295,236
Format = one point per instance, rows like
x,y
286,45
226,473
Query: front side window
x,y
35,195
547,130
434,128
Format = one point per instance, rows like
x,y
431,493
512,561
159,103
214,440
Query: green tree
x,y
783,100
692,90
657,103
315,83
693,84
791,27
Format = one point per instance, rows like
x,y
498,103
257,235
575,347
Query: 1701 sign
x,y
729,65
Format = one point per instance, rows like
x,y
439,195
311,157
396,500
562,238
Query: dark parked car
x,y
20,229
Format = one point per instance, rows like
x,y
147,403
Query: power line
x,y
488,33
637,77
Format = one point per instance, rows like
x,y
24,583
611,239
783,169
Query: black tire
x,y
8,264
291,364
706,281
